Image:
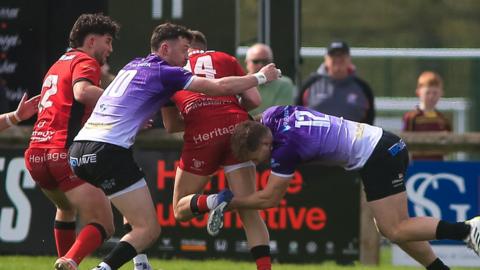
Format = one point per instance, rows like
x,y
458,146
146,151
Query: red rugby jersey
x,y
209,64
60,117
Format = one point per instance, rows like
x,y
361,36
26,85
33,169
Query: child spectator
x,y
425,117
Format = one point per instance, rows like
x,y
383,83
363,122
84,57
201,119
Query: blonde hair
x,y
429,78
246,139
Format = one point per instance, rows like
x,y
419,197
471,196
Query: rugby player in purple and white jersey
x,y
101,153
291,135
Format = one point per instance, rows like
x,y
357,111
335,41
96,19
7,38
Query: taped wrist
x,y
261,78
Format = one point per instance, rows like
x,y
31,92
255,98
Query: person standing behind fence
x,y
425,116
278,92
335,89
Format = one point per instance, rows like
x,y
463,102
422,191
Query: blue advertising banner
x,y
448,191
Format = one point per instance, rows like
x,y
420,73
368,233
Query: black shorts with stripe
x,y
107,166
383,173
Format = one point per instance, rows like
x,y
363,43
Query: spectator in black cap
x,y
335,89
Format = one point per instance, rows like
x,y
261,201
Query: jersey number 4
x,y
204,66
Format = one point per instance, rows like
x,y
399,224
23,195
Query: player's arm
x,y
172,120
86,93
234,85
268,197
26,109
250,99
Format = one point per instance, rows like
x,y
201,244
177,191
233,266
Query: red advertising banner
x,y
317,220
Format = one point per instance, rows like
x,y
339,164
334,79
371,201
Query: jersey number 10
x,y
120,83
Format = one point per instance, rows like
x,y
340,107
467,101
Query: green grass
x,y
46,263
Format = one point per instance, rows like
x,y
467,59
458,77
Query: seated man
x,y
293,135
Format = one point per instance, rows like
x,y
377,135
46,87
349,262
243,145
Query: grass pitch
x,y
21,262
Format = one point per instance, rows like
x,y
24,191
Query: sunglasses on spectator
x,y
260,61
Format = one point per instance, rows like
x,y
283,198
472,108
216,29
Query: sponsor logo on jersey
x,y
42,136
47,157
206,102
85,159
197,164
108,184
216,132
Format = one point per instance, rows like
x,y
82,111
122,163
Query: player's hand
x,y
27,108
148,124
271,72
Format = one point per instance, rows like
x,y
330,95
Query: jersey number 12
x,y
308,119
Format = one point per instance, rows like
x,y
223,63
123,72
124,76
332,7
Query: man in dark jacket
x,y
336,90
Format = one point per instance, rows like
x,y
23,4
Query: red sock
x,y
64,233
202,204
89,239
264,263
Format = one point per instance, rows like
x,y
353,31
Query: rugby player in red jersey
x,y
70,90
208,123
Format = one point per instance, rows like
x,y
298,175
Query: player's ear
x,y
89,41
163,49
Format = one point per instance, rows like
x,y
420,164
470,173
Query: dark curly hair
x,y
168,31
92,24
246,139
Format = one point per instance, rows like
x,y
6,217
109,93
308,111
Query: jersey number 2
x,y
51,83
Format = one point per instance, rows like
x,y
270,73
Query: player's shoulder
x,y
271,114
220,55
77,55
82,58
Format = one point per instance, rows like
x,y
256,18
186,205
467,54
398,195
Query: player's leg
x,y
241,180
411,234
187,202
115,171
140,262
136,205
65,220
95,212
382,177
197,163
391,215
64,225
92,205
